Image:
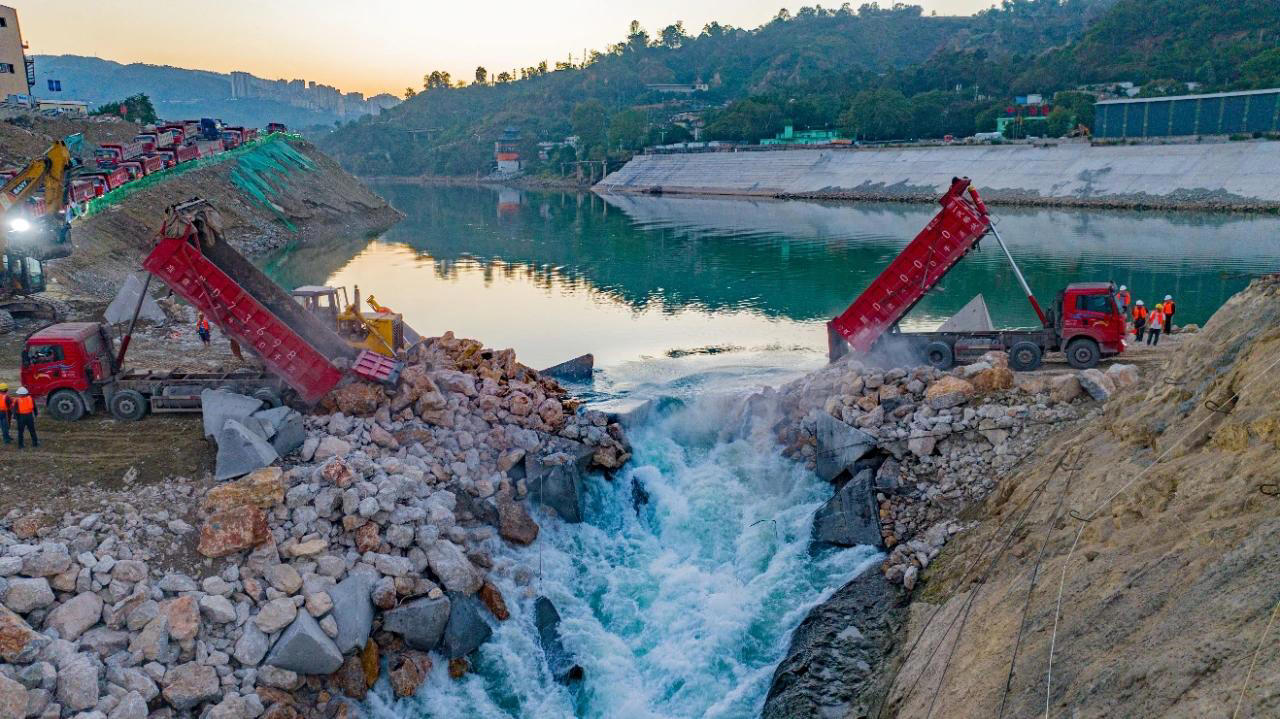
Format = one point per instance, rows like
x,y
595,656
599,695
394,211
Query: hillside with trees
x,y
874,73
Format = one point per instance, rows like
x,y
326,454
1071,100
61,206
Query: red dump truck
x,y
110,154
76,367
1084,323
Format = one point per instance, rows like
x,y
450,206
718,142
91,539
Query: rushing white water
x,y
680,609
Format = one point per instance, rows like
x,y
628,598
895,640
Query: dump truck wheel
x,y
939,355
1082,354
270,399
1025,356
66,405
128,405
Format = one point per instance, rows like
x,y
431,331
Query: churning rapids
x,y
678,606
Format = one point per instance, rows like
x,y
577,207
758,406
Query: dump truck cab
x,y
63,361
1089,322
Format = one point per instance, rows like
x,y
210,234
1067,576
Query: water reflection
x,y
555,274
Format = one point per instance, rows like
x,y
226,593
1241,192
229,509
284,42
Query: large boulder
x,y
948,391
19,643
466,630
13,699
241,451
75,615
555,480
353,611
233,530
1098,385
450,564
839,446
261,488
305,648
1123,375
851,516
218,406
1065,389
421,622
187,685
993,379
27,593
358,398
514,523
407,672
78,682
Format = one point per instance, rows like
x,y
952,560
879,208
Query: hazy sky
x,y
370,45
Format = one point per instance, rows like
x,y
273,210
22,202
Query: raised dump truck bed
x,y
196,263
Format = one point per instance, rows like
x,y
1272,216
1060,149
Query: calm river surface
x,y
682,607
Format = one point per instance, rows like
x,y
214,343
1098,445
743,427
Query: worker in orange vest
x,y
1139,319
1155,323
1167,308
24,408
6,409
202,329
1123,298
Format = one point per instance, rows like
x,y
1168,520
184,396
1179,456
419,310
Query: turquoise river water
x,y
683,606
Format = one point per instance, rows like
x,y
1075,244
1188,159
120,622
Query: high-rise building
x,y
17,73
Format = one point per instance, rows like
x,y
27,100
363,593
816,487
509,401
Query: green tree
x,y
590,123
437,80
627,129
409,92
138,109
482,75
747,121
1262,70
637,38
672,36
1058,123
878,115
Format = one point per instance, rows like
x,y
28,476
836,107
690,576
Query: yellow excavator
x,y
34,228
381,331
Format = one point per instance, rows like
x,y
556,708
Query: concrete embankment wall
x,y
1226,175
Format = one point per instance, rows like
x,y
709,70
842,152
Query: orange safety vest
x,y
203,324
1124,298
4,401
1167,307
26,405
1156,320
1139,312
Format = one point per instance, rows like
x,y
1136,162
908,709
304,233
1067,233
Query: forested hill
x,y
879,73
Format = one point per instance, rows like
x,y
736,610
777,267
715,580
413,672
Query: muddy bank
x,y
1223,176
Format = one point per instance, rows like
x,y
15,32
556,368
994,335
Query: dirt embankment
x,y
321,204
1130,568
25,136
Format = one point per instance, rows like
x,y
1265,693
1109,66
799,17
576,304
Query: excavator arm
x,y
52,170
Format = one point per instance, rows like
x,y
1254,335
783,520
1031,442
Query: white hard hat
x,y
1168,297
22,392
1139,301
1123,288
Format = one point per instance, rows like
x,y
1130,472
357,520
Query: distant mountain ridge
x,y
180,93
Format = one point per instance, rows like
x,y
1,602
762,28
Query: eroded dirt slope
x,y
1168,590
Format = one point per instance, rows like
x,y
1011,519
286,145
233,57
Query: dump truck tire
x,y
1083,353
1025,356
66,405
128,405
939,355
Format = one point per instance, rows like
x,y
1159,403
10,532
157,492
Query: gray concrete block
x,y
353,611
240,451
466,629
126,300
839,446
850,517
218,406
421,622
578,369
304,648
973,317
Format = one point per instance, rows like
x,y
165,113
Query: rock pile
x,y
909,449
379,542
